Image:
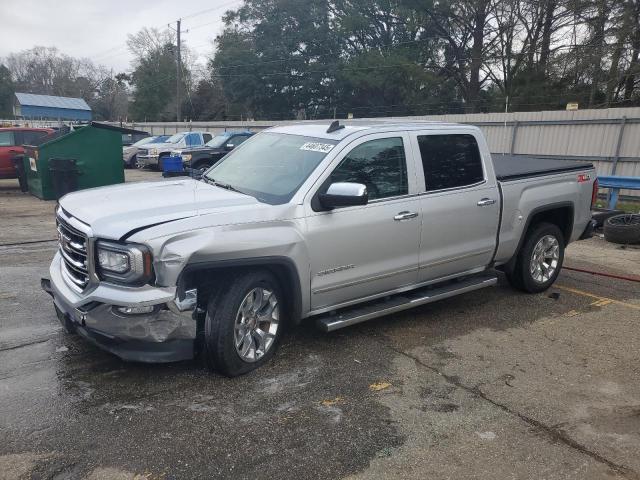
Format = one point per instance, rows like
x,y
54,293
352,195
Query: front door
x,y
460,205
361,251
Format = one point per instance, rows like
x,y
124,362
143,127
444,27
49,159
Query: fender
x,y
545,208
292,284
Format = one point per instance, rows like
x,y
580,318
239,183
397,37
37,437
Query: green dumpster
x,y
94,150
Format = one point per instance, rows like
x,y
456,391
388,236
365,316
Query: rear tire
x,y
539,260
623,229
244,323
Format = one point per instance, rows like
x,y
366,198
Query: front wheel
x,y
243,324
540,259
201,167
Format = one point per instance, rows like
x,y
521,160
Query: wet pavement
x,y
493,384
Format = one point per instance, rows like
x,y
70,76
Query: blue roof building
x,y
48,107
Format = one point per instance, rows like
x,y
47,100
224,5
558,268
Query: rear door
x,y
459,202
8,150
360,251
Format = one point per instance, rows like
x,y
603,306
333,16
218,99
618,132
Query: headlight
x,y
153,151
111,261
124,263
186,157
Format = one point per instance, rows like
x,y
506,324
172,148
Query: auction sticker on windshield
x,y
317,147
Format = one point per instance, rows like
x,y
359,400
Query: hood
x,y
112,212
159,146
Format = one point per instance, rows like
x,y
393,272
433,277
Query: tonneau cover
x,y
514,167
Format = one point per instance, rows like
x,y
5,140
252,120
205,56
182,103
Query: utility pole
x,y
178,69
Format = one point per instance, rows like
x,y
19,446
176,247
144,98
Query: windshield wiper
x,y
226,186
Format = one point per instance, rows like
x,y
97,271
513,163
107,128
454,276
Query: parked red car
x,y
11,141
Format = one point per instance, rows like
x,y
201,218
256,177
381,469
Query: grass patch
x,y
628,207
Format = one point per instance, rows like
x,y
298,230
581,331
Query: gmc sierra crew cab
x,y
336,223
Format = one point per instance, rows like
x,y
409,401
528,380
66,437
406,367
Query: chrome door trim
x,y
458,257
364,280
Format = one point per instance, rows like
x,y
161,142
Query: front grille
x,y
73,248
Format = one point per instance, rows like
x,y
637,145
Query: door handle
x,y
405,216
486,202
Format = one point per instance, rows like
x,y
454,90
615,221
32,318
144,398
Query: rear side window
x,y
6,139
450,161
379,164
206,137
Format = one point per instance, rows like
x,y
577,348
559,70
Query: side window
x,y
33,138
379,164
237,140
450,161
7,139
206,137
193,139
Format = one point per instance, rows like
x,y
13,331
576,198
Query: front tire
x,y
202,167
244,323
540,259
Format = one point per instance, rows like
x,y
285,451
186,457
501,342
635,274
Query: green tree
x,y
7,90
276,55
154,75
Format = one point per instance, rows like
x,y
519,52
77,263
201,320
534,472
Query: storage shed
x,y
47,107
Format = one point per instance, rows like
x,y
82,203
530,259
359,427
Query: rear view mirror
x,y
344,194
229,146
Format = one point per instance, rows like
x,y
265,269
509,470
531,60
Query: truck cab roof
x,y
355,127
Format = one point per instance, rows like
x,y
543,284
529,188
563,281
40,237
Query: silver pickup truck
x,y
340,224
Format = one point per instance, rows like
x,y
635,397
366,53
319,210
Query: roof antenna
x,y
335,126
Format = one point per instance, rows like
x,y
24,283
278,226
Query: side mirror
x,y
344,194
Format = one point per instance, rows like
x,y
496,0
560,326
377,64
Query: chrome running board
x,y
414,298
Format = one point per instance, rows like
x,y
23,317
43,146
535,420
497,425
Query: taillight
x,y
594,193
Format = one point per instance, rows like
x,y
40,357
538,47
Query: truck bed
x,y
514,167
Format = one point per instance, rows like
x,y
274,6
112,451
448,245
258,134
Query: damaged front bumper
x,y
146,324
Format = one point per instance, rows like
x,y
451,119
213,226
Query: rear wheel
x,y
133,162
540,259
243,324
624,229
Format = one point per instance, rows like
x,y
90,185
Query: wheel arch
x,y
560,214
206,276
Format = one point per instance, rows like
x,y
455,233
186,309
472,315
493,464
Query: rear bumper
x,y
163,335
589,229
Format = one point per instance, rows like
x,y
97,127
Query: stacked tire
x,y
623,229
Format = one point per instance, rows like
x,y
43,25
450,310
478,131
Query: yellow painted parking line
x,y
600,300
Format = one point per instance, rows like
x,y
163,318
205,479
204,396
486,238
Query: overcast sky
x,y
97,29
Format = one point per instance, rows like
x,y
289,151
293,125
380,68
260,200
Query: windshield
x,y
175,138
271,166
218,141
